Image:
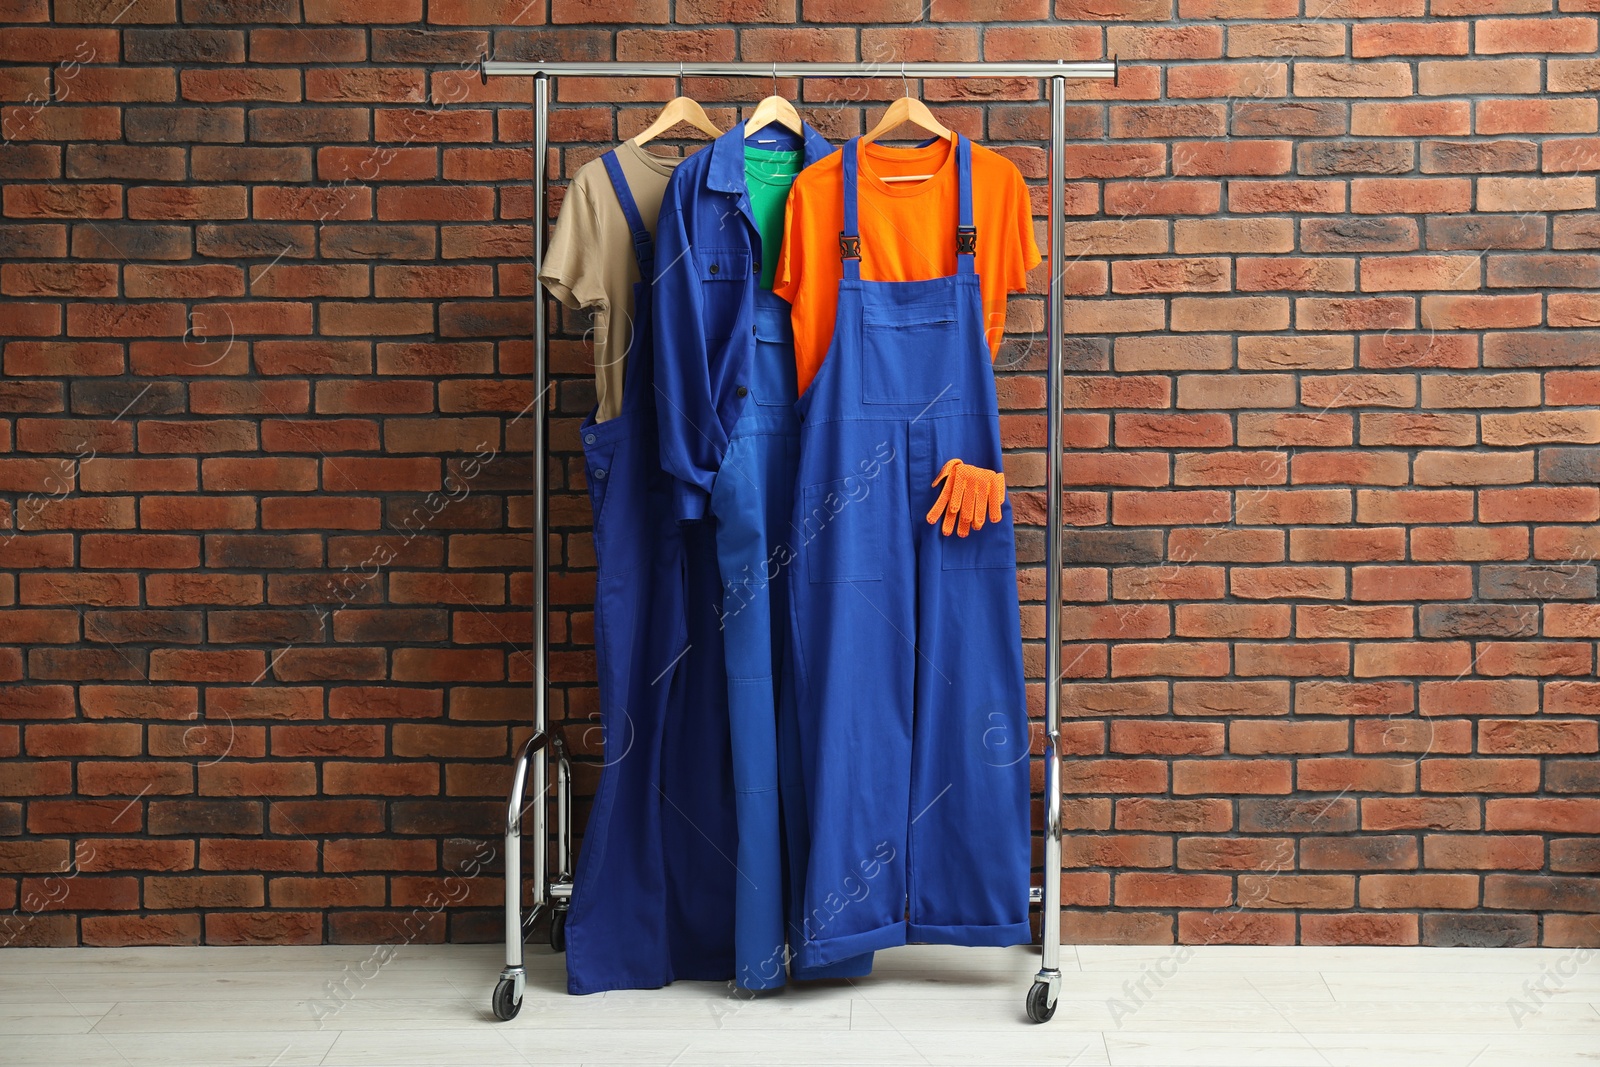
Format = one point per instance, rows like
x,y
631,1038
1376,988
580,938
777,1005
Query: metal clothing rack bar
x,y
533,761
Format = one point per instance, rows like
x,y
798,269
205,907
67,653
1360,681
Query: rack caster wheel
x,y
1040,1009
505,1007
558,931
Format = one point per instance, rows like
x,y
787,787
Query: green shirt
x,y
769,175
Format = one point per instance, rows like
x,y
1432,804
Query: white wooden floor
x,y
1221,1006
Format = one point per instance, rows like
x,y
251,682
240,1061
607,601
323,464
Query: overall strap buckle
x,y
966,240
849,246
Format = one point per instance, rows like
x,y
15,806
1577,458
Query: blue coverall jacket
x,y
708,264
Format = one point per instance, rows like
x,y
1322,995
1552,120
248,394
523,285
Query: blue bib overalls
x,y
655,878
912,723
752,499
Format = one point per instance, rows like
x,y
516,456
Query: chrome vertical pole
x,y
541,495
1050,964
507,1000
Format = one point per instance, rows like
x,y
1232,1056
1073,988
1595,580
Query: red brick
x,y
1313,79
1226,776
1338,775
1412,118
1258,235
1480,312
1319,274
1549,815
1229,80
1456,468
1189,660
1228,546
1169,507
1353,698
1540,504
1440,582
1469,543
1530,737
1168,583
1536,116
1352,620
1437,813
1293,507
1420,273
1229,468
1350,468
1573,309
1372,544
1271,583
1498,658
1234,620
1408,39
1246,197
1479,697
1412,659
1535,194
1296,660
1463,852
1571,620
1123,622
1425,736
1418,891
1319,429
1385,196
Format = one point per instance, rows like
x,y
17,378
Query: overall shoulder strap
x,y
966,232
850,236
644,245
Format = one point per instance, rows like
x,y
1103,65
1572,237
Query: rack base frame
x,y
554,894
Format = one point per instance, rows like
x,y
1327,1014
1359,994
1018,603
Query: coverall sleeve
x,y
693,440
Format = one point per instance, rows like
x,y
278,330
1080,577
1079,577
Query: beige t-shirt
x,y
591,263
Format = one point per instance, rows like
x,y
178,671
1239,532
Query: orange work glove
x,y
966,491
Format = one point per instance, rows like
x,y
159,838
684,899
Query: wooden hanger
x,y
679,109
773,109
907,109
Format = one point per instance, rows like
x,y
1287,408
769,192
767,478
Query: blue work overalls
x,y
908,642
726,389
654,882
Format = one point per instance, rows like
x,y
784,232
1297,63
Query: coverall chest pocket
x,y
844,534
717,267
724,264
910,354
772,372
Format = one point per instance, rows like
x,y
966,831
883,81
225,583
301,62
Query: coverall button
x,y
743,391
713,268
588,438
600,473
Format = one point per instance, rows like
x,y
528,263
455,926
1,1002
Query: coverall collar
x,y
727,156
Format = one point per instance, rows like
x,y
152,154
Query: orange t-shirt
x,y
908,233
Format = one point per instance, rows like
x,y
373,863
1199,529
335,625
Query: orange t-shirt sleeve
x,y
1026,249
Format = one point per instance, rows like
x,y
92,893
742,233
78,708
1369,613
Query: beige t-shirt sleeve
x,y
573,268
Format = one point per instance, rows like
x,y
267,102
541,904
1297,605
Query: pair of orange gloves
x,y
969,493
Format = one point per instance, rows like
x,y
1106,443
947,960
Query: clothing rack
x,y
534,757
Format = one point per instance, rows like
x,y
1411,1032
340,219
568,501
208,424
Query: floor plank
x,y
1120,1006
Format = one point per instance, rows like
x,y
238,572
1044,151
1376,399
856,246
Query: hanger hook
x,y
774,77
904,85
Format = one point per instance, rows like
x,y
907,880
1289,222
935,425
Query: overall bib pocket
x,y
845,541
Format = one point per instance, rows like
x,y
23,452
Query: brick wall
x,y
1334,372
